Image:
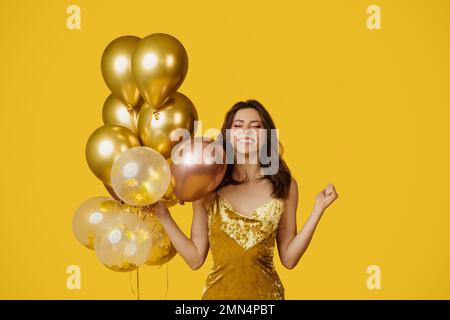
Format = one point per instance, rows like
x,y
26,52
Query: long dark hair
x,y
281,180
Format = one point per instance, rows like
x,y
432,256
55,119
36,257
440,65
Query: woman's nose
x,y
250,131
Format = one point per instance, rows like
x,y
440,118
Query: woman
x,y
246,213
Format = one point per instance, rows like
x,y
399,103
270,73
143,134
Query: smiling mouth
x,y
246,140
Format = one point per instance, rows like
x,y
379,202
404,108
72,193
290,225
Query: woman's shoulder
x,y
207,200
294,184
293,190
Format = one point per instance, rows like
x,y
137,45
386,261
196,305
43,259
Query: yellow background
x,y
365,110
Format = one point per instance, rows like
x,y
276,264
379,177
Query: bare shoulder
x,y
208,199
293,189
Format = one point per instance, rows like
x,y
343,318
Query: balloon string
x,y
131,285
167,279
142,213
137,292
137,284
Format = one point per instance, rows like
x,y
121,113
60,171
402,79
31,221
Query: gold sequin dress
x,y
242,251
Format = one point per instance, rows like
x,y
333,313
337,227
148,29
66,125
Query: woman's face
x,y
247,133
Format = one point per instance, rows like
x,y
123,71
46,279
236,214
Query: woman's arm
x,y
195,249
292,245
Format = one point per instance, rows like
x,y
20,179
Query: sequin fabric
x,y
242,249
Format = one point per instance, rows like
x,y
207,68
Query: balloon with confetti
x,y
89,217
123,242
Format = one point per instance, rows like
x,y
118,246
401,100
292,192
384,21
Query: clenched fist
x,y
326,197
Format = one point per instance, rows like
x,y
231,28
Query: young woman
x,y
247,212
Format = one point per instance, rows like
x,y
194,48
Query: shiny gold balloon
x,y
169,198
159,65
89,217
112,193
198,166
140,176
106,144
158,128
116,69
162,249
123,242
116,112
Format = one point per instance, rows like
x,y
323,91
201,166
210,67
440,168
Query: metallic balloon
x,y
116,112
169,198
158,127
162,249
198,166
116,69
140,176
106,144
159,65
89,217
123,242
112,193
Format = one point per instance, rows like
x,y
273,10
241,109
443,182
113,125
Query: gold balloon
x,y
116,112
112,193
123,242
162,249
140,176
116,69
159,65
158,127
169,198
89,217
106,144
198,166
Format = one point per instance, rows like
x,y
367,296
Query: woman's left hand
x,y
325,197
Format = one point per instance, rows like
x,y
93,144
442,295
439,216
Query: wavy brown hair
x,y
281,180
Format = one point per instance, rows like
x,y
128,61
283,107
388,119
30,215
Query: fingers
x,y
330,190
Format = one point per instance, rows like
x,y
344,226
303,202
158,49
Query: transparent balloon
x,y
140,176
89,217
162,249
123,242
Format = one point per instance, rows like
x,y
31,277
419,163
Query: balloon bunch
x,y
131,153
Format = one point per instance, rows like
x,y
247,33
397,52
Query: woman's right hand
x,y
160,209
194,249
